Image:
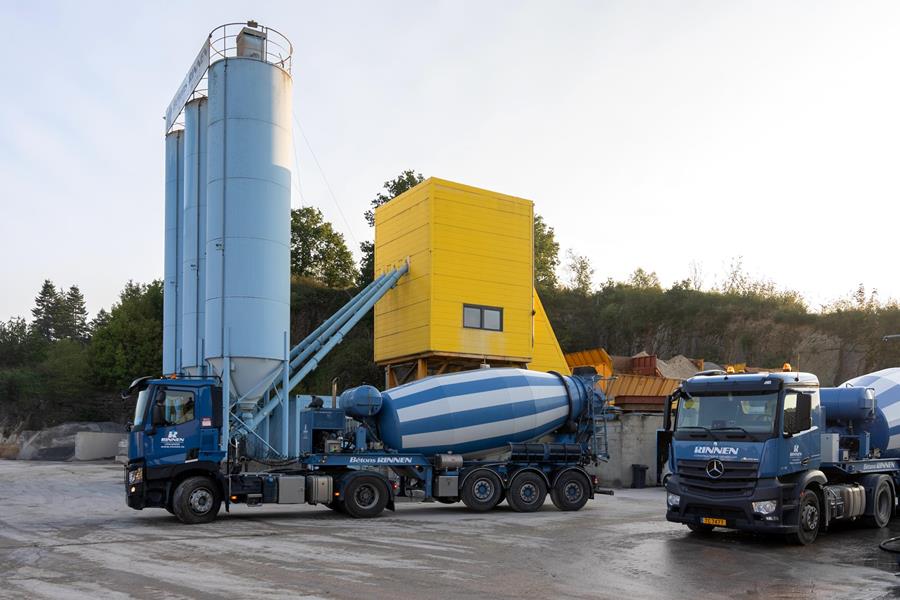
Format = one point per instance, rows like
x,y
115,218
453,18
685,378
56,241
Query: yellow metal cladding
x,y
466,246
547,354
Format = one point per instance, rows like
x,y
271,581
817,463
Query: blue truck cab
x,y
746,453
175,435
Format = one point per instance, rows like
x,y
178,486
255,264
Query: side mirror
x,y
158,416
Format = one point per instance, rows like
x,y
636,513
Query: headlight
x,y
136,476
673,500
765,507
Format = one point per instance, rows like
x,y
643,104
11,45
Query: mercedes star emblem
x,y
715,468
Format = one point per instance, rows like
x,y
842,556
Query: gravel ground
x,y
65,532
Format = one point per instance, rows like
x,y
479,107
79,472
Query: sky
x,y
648,134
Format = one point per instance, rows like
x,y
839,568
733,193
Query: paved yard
x,y
65,532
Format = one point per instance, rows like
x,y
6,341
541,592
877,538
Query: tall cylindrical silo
x,y
194,227
172,287
249,156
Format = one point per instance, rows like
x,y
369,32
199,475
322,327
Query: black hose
x,y
889,541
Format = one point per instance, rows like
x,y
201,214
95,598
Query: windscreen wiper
x,y
706,429
747,433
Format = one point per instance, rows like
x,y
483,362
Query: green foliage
x,y
405,181
642,279
546,255
129,343
318,251
581,273
20,344
60,314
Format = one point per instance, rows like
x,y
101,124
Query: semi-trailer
x,y
476,436
775,453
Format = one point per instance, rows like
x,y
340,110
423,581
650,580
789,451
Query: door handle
x,y
805,461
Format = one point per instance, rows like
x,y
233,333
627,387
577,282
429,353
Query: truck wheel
x,y
882,506
365,497
570,492
808,519
196,500
482,491
527,492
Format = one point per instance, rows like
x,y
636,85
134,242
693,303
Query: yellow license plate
x,y
711,521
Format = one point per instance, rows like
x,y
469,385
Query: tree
x,y
129,343
546,255
20,345
405,181
318,251
75,315
642,279
46,311
581,272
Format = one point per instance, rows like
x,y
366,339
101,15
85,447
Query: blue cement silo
x,y
172,287
249,157
193,267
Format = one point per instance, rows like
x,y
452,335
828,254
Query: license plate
x,y
712,521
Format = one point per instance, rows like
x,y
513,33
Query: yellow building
x,y
468,297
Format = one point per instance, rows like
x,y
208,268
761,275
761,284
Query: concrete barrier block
x,y
91,445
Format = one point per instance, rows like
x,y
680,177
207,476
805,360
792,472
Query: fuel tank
x,y
473,413
882,421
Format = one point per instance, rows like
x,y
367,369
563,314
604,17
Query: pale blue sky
x,y
648,134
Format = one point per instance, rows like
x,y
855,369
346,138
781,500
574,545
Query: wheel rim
x,y
809,517
366,496
483,489
573,492
528,492
201,501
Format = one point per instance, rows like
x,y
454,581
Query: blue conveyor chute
x,y
306,355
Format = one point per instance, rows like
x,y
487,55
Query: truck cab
x,y
744,449
175,435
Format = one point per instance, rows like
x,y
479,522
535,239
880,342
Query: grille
x,y
739,478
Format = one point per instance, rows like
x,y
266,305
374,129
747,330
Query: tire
x,y
883,506
527,492
364,497
571,491
196,500
700,528
482,490
809,519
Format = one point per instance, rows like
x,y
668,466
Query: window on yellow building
x,y
482,317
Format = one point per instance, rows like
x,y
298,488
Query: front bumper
x,y
737,512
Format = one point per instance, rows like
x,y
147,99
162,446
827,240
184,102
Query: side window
x,y
178,406
482,317
790,411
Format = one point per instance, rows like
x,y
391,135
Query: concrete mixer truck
x,y
775,453
476,436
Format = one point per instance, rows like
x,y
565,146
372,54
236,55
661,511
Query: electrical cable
x,y
325,179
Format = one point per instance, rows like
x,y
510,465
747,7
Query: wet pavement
x,y
65,532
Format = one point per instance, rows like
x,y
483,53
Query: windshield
x,y
749,413
141,407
